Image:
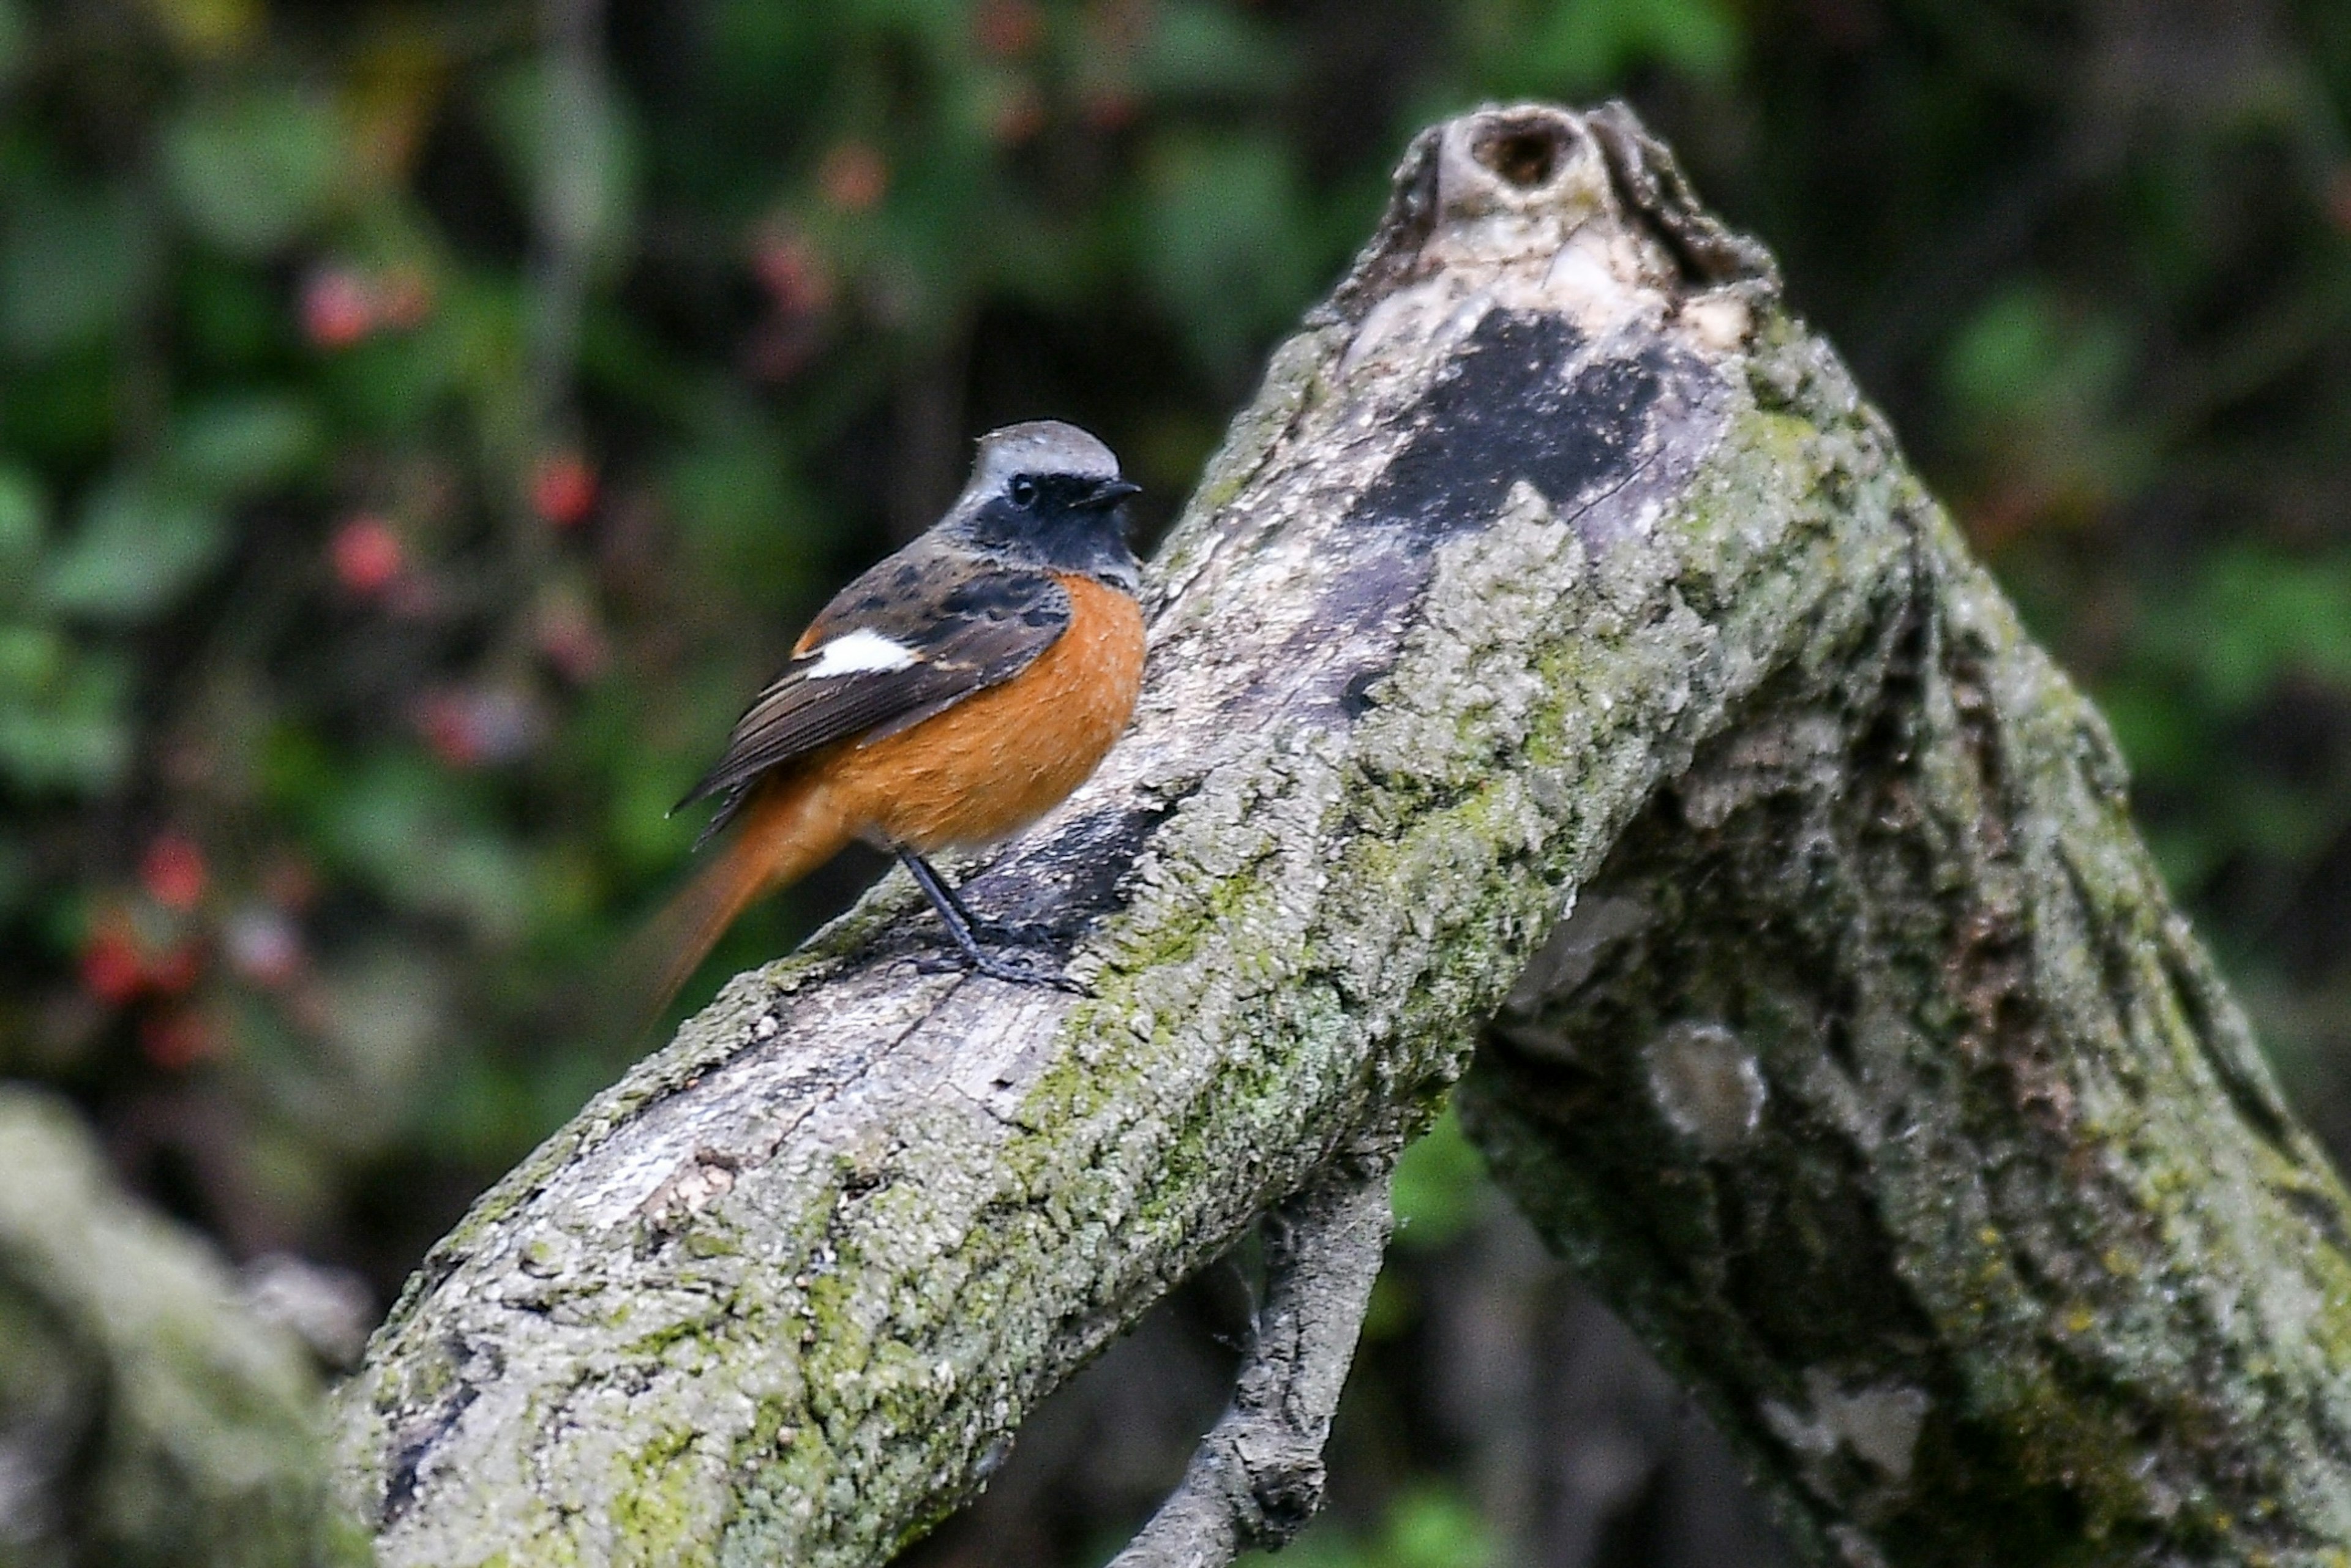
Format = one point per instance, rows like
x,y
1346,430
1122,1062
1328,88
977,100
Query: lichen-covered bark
x,y
146,1417
1554,567
1876,1080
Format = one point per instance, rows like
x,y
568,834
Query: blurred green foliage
x,y
422,423
1428,1526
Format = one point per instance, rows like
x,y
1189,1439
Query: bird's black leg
x,y
963,928
941,894
986,932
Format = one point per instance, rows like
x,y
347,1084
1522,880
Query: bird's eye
x,y
1023,491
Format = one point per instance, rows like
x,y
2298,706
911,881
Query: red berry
x,y
562,489
172,871
853,177
794,273
339,308
446,720
110,968
368,555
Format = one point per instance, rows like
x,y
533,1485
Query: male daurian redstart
x,y
947,699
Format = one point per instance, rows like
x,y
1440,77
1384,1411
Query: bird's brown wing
x,y
911,638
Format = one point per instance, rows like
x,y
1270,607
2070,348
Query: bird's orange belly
x,y
997,761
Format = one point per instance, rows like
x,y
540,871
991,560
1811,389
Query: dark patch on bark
x,y
1051,891
1506,409
415,1444
1510,405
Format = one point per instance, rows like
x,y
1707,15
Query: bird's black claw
x,y
997,969
1017,933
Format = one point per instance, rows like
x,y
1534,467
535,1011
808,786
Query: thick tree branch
x,y
1257,1476
1555,568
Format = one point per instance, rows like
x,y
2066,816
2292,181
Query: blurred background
x,y
421,426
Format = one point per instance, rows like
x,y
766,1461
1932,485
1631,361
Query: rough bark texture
x,y
146,1416
1875,1082
1555,568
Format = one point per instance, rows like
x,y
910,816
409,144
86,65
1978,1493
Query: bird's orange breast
x,y
999,759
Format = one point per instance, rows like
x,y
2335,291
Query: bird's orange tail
x,y
784,832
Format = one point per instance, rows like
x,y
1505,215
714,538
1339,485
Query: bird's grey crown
x,y
1056,530
1040,446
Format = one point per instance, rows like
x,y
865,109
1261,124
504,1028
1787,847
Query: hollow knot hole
x,y
1526,156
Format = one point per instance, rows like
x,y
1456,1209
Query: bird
x,y
947,699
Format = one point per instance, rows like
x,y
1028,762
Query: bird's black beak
x,y
1108,494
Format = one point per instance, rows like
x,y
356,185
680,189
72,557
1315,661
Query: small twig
x,y
1257,1476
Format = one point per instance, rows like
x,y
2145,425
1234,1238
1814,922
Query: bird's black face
x,y
1067,522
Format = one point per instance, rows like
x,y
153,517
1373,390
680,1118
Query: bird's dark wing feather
x,y
967,628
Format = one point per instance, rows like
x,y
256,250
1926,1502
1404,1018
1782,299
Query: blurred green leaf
x,y
140,547
1325,1544
251,171
394,384
235,317
297,771
1200,48
13,38
484,1110
401,827
639,829
1426,1526
2258,615
1578,48
232,444
745,516
74,265
74,732
30,658
209,29
24,514
2022,356
1393,1309
1435,1527
2155,733
2187,853
1226,241
386,1005
16,880
57,413
1439,1187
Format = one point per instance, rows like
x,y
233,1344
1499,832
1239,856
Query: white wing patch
x,y
860,652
